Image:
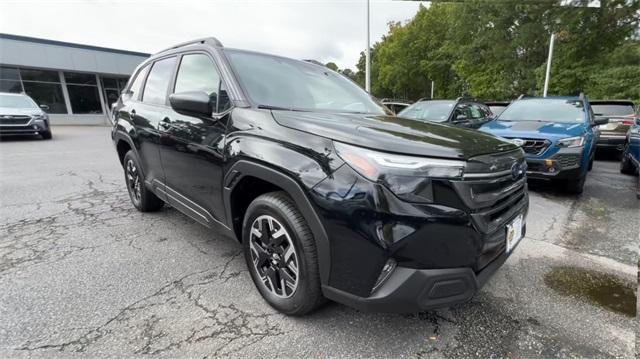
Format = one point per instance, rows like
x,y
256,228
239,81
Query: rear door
x,y
192,146
147,115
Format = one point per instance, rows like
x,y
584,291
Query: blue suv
x,y
557,134
631,156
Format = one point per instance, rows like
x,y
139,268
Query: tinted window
x,y
280,82
84,99
197,72
49,94
476,111
155,89
79,78
613,109
545,110
9,73
39,75
435,111
136,86
10,86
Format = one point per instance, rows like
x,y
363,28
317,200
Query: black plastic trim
x,y
244,168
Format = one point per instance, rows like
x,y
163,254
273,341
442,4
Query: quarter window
x,y
136,86
155,89
198,73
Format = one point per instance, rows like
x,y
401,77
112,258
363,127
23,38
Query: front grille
x,y
14,120
567,160
534,147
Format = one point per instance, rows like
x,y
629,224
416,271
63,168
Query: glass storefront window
x,y
49,94
10,86
9,73
84,99
39,75
80,78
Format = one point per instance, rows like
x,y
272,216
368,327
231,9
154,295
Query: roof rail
x,y
581,96
315,62
521,96
205,40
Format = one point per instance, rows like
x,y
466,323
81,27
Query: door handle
x,y
164,123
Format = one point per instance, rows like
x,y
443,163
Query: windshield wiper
x,y
278,108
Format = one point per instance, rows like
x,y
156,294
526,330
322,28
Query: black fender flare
x,y
120,135
244,168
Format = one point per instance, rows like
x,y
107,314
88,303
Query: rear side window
x,y
136,86
155,89
198,73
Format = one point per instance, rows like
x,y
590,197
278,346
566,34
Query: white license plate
x,y
514,232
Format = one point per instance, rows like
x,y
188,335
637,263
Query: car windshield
x,y
497,109
544,110
622,109
12,101
435,111
277,82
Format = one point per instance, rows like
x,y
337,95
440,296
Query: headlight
x,y
409,177
571,142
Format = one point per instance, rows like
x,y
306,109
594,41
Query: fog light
x,y
385,273
549,163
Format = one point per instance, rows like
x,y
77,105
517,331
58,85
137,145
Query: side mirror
x,y
191,103
600,121
44,108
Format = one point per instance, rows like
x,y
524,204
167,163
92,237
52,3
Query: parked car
x,y
557,135
20,115
330,195
630,163
461,112
621,114
395,105
496,107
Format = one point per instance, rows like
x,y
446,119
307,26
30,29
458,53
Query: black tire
x,y
591,163
46,135
307,294
575,186
141,197
626,166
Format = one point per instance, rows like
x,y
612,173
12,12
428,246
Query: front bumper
x,y
409,290
32,128
457,236
565,164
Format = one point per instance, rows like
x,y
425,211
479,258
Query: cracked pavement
x,y
82,272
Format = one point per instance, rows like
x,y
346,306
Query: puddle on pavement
x,y
598,288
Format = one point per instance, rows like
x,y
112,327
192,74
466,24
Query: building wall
x,y
77,82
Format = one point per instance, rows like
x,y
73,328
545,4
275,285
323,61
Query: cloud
x,y
325,30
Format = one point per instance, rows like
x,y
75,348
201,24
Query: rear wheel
x,y
626,166
281,254
142,198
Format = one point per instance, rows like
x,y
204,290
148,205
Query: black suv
x,y
330,196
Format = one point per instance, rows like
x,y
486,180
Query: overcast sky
x,y
325,30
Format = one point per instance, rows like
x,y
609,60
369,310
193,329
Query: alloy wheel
x,y
133,180
274,256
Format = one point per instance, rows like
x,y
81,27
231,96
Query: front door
x,y
192,146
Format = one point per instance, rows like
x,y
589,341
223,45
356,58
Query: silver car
x,y
20,115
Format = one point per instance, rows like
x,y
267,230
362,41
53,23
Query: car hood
x,y
533,129
19,111
395,134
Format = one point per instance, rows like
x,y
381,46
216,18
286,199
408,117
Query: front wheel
x,y
46,135
576,186
281,254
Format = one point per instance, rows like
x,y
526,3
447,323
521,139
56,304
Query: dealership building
x,y
78,82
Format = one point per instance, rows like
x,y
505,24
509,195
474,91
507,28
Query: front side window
x,y
155,89
197,72
289,84
545,110
434,111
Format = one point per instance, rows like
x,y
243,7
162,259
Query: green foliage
x,y
498,50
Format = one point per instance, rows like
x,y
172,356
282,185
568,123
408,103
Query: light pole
x,y
367,66
548,74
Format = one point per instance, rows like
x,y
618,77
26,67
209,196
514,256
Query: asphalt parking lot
x,y
82,271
